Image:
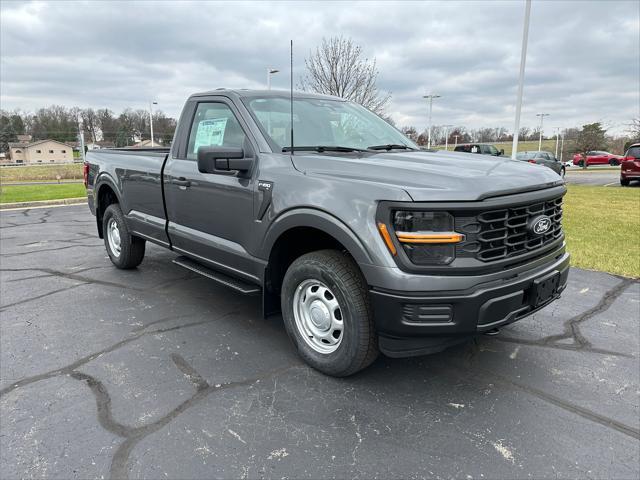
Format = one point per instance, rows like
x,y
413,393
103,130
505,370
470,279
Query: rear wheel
x,y
581,163
624,182
125,250
613,162
327,314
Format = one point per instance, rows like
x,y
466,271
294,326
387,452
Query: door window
x,y
214,125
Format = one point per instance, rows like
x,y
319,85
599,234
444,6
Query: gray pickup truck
x,y
363,241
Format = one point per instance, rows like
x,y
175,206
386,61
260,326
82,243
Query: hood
x,y
432,176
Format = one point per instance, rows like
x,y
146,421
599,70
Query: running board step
x,y
224,279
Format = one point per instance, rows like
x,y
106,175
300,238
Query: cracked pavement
x,y
157,372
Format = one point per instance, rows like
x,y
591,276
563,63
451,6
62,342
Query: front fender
x,y
321,220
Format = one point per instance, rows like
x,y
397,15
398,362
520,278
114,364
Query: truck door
x,y
210,216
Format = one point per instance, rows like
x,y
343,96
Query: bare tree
x,y
338,67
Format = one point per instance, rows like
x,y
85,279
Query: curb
x,y
44,203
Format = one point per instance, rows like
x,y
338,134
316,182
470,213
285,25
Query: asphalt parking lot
x,y
159,373
593,176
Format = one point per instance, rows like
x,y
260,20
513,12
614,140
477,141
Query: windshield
x,y
323,122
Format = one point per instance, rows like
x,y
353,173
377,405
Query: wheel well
x,y
106,196
292,244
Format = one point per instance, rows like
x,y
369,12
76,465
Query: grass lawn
x,y
602,226
30,193
66,171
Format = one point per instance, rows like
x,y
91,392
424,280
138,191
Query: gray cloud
x,y
583,63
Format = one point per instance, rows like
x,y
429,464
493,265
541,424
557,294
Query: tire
x,y
131,248
613,162
624,182
341,295
581,163
563,172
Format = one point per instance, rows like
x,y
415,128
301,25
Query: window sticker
x,y
210,133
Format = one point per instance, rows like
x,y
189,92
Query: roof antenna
x,y
291,93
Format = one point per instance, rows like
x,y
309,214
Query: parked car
x,y
481,148
597,157
630,166
364,242
547,159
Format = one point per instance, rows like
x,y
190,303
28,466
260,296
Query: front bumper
x,y
419,322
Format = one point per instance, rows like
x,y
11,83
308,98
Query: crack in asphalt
x,y
545,396
134,435
68,369
572,326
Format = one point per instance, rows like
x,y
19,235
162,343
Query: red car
x,y
597,157
630,169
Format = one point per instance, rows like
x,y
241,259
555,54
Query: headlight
x,y
427,238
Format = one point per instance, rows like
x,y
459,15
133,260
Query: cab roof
x,y
249,93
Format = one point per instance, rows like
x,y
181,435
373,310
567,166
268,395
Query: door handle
x,y
181,182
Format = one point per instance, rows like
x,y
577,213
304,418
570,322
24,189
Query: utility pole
x,y
270,71
430,97
151,120
541,115
523,61
81,137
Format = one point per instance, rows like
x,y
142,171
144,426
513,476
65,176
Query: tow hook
x,y
493,332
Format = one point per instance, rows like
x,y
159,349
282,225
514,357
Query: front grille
x,y
503,233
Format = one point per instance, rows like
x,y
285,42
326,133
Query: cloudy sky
x,y
583,60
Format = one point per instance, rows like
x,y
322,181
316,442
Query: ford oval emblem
x,y
540,225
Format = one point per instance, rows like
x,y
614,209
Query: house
x,y
42,151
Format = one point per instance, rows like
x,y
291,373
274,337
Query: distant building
x,y
41,151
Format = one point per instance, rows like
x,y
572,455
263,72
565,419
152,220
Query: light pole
x,y
523,61
456,137
430,97
151,104
541,115
562,147
270,71
557,135
446,136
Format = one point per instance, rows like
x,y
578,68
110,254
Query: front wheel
x,y
563,172
327,313
125,250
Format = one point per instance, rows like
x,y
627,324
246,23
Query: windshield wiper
x,y
390,146
322,148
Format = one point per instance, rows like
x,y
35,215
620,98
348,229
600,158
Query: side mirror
x,y
223,160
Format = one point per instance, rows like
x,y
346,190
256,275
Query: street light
x,y
541,115
430,97
446,136
270,71
456,137
523,61
557,129
151,104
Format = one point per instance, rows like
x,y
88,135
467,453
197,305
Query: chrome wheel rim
x,y
113,235
318,316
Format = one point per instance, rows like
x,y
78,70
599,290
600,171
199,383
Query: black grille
x,y
503,233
